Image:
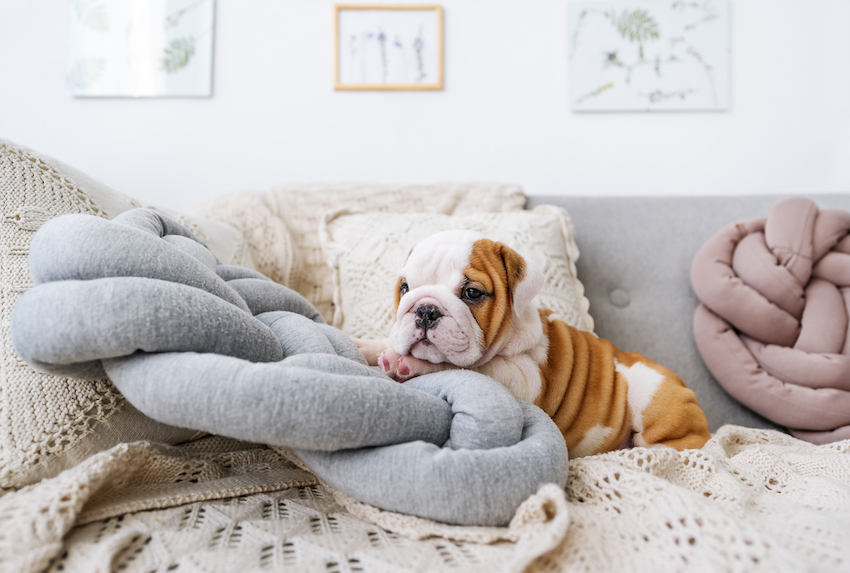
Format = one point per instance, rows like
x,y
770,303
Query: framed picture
x,y
385,47
649,55
140,48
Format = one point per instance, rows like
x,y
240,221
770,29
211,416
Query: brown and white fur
x,y
464,301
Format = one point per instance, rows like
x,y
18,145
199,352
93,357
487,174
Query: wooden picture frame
x,y
388,47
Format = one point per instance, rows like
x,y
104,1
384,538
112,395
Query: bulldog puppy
x,y
464,301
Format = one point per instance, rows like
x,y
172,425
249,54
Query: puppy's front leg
x,y
394,365
370,349
401,368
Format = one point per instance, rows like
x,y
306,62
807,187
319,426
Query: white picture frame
x,y
388,47
140,48
649,55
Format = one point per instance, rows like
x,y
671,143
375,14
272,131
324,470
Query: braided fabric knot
x,y
773,322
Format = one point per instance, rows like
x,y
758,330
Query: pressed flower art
x,y
649,55
389,47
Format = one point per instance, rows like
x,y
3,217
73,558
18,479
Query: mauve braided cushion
x,y
773,323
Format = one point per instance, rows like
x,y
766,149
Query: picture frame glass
x,y
389,48
649,55
140,48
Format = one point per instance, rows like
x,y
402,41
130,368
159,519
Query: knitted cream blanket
x,y
750,500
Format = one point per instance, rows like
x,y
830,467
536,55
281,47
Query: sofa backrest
x,y
635,260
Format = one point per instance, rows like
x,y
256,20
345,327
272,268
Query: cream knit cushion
x,y
282,224
365,252
48,423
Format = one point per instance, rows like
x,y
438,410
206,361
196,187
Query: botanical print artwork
x,y
140,48
389,48
649,55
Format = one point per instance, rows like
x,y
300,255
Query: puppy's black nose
x,y
428,315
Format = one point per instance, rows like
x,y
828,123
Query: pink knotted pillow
x,y
773,323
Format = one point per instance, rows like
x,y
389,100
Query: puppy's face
x,y
457,296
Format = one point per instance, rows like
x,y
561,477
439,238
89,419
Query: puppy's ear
x,y
524,278
398,284
398,287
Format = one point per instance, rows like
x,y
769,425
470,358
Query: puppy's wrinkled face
x,y
457,297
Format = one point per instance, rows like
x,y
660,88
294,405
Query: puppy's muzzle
x,y
427,316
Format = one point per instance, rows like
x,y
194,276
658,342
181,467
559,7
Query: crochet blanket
x,y
774,323
222,349
750,500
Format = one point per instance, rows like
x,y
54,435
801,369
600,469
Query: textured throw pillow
x,y
281,225
49,423
365,252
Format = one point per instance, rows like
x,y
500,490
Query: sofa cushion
x,y
365,252
282,224
49,423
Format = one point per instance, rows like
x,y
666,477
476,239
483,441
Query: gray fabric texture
x,y
635,262
321,403
193,343
473,465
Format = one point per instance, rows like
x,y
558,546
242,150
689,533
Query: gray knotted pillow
x,y
194,343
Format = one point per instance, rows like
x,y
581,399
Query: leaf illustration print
x,y
178,54
92,13
637,26
173,20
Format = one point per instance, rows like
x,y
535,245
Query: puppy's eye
x,y
472,294
404,288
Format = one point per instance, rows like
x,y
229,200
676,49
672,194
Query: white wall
x,y
503,116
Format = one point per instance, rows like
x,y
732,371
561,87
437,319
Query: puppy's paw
x,y
401,368
394,365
